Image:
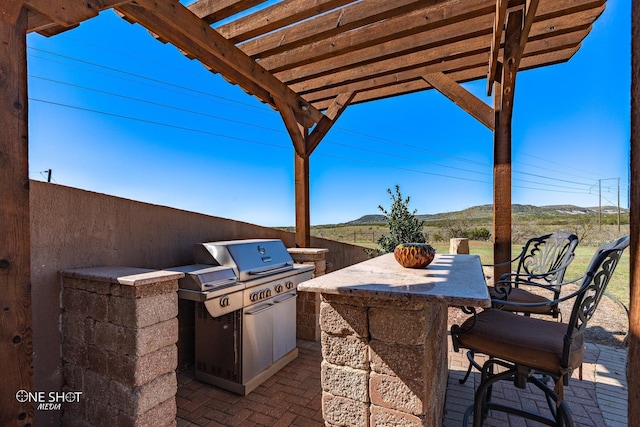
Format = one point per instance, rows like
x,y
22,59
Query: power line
x,y
152,122
110,93
191,91
120,116
183,88
158,104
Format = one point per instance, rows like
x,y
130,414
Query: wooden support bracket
x,y
297,131
332,114
462,97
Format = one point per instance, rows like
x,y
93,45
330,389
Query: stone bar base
x,y
384,361
120,331
308,303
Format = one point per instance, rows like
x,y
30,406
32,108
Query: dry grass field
x,y
610,324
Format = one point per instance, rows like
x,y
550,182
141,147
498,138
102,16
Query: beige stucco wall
x,y
73,228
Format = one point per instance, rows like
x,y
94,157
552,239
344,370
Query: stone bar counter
x,y
384,338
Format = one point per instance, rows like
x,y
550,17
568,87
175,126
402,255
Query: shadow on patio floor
x,y
292,397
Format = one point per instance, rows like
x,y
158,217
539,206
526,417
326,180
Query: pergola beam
x,y
503,107
16,340
302,208
69,13
496,40
192,35
305,143
633,355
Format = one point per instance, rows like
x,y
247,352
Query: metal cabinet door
x,y
257,339
284,324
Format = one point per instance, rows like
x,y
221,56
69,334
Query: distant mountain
x,y
486,212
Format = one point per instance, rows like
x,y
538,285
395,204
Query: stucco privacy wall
x,y
73,228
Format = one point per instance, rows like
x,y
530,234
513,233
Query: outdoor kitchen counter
x,y
454,279
384,337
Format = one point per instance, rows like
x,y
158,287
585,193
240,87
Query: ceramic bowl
x,y
414,255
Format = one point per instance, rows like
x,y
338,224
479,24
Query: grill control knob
x,y
261,294
278,288
289,284
253,296
224,301
267,292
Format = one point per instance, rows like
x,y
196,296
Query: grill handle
x,y
219,283
259,310
285,298
277,269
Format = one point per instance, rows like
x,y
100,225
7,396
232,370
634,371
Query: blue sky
x,y
114,111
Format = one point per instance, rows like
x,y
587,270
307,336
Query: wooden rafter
x,y
189,33
421,42
463,98
275,17
211,11
445,58
388,36
330,24
419,84
69,13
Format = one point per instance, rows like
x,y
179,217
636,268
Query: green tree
x,y
404,227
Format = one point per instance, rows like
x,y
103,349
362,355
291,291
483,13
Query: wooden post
x,y
633,356
303,216
503,106
16,344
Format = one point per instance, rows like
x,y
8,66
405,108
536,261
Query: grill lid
x,y
249,259
200,277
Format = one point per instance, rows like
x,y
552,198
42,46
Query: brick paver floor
x,y
292,397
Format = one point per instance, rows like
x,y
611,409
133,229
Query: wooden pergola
x,y
309,60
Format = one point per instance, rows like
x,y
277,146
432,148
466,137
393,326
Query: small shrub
x,y
404,227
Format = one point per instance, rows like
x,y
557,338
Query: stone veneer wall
x,y
308,303
119,350
384,362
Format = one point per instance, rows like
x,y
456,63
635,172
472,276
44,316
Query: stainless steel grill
x,y
245,293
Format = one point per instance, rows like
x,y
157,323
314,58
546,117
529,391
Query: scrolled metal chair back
x,y
548,253
593,285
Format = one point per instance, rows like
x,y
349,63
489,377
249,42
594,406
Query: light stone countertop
x,y
455,279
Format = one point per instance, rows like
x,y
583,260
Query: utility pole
x,y
49,175
618,205
600,203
